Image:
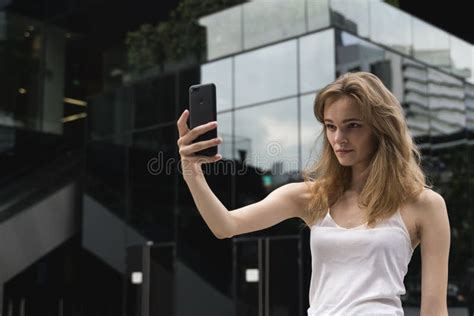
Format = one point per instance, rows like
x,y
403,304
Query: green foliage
x,y
179,37
395,3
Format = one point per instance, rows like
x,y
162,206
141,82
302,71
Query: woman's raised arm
x,y
282,203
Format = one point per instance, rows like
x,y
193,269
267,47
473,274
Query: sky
x,y
451,16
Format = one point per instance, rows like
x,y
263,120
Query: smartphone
x,y
202,110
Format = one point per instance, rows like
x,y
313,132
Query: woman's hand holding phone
x,y
190,162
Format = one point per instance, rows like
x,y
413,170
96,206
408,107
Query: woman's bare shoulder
x,y
427,202
301,192
426,198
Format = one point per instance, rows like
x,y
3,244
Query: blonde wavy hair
x,y
394,175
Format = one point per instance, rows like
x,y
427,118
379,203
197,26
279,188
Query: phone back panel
x,y
202,109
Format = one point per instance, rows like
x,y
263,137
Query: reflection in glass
x,y
224,131
471,80
311,132
317,13
271,131
415,101
106,174
219,73
224,32
391,74
248,276
152,168
355,54
446,101
283,277
271,21
265,74
351,15
430,44
21,82
317,64
461,57
152,100
109,114
469,92
383,18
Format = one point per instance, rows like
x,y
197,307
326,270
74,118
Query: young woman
x,y
365,201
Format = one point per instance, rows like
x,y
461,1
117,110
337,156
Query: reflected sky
x,y
317,60
224,131
271,131
383,18
271,21
259,23
219,73
265,74
311,144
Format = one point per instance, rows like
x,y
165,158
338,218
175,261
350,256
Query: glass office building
x,y
114,230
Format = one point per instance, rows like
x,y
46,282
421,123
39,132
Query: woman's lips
x,y
343,152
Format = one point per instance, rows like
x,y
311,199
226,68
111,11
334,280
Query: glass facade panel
x,y
471,80
430,44
383,17
153,101
224,131
20,58
317,64
391,72
446,101
110,114
317,14
356,54
248,272
469,93
415,101
283,277
351,15
266,22
266,74
106,174
311,132
152,168
220,73
224,32
272,133
461,58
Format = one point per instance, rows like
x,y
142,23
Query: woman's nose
x,y
340,137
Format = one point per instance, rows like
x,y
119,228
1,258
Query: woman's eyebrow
x,y
346,120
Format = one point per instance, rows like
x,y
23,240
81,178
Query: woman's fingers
x,y
191,149
182,125
189,136
187,148
202,159
201,129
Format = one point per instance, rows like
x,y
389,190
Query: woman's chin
x,y
345,163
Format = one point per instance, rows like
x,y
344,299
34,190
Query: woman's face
x,y
345,130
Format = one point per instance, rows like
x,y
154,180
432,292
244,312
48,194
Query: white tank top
x,y
359,270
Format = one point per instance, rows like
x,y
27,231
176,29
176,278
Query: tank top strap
x,y
398,221
395,220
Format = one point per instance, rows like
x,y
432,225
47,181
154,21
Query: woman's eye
x,y
354,125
